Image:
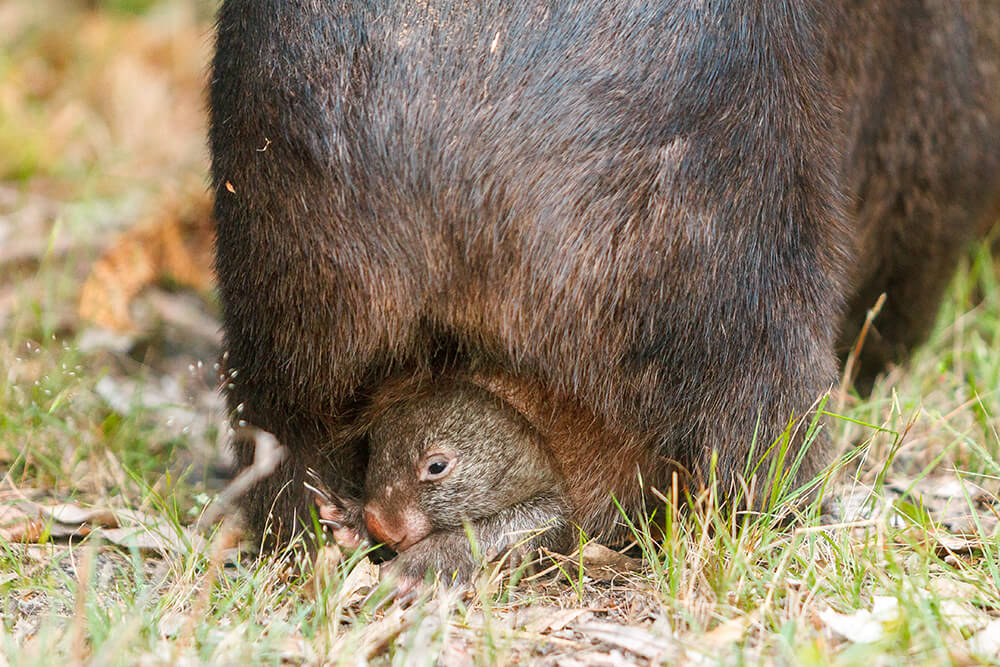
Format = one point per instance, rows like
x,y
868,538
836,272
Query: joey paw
x,y
451,564
341,516
338,522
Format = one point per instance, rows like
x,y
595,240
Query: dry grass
x,y
101,119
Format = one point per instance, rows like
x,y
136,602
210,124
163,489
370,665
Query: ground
x,y
114,471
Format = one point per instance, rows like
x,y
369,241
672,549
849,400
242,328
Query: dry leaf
x,y
947,587
956,545
863,626
20,522
151,539
26,521
945,499
960,615
455,654
635,640
294,649
359,648
595,659
152,533
171,624
68,513
327,560
598,561
730,631
986,642
551,619
175,244
599,556
359,581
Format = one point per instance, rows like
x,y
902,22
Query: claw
x,y
322,497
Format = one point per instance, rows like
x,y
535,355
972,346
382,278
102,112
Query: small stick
x,y
847,378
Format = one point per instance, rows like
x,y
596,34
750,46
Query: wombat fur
x,y
655,226
920,84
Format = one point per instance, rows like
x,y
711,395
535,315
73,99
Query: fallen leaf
x,y
162,538
553,619
957,545
370,641
960,615
360,580
326,562
634,640
176,243
730,631
595,659
945,500
599,556
71,514
20,522
986,642
295,649
948,587
28,521
863,626
598,562
455,654
171,624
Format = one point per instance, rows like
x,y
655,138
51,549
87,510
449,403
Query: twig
x,y
268,455
847,378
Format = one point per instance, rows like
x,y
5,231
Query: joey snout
x,y
398,528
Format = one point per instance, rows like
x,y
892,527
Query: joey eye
x,y
436,467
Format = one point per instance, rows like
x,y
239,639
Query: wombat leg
x,y
913,282
518,530
926,174
916,262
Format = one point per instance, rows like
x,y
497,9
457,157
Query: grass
x,y
87,143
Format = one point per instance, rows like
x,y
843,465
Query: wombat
x,y
654,224
449,456
918,85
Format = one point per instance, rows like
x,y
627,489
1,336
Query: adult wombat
x,y
647,220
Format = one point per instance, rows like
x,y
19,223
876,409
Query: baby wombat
x,y
450,456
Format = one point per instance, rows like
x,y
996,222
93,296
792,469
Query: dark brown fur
x,y
922,157
651,218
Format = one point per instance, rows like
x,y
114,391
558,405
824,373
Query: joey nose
x,y
382,530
